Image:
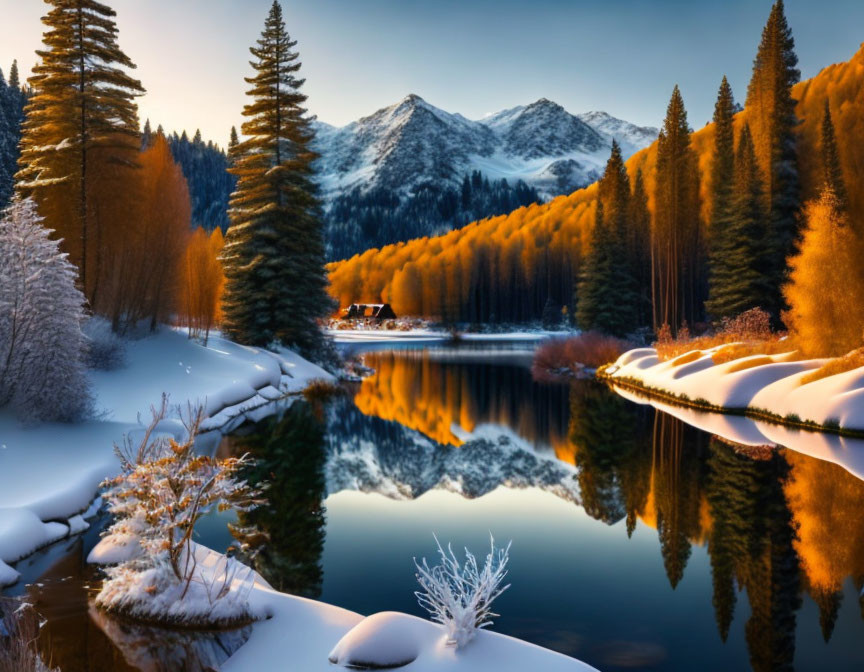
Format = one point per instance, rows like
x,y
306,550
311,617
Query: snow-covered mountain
x,y
414,143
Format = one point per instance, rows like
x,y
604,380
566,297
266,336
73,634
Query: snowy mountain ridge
x,y
414,143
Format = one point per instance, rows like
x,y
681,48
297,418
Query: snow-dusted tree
x,y
459,596
162,491
42,349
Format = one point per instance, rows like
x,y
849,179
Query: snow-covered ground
x,y
50,473
759,383
302,634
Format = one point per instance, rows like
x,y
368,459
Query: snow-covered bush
x,y
105,349
459,596
42,348
163,489
19,629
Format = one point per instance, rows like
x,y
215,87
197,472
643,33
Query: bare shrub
x,y
750,332
459,596
19,630
590,349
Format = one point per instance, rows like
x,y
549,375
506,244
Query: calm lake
x,y
639,542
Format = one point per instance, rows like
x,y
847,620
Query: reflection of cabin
x,y
373,311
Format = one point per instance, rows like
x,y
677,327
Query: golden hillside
x,y
424,276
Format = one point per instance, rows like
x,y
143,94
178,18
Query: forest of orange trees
x,y
512,267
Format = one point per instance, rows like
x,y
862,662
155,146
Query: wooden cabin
x,y
369,311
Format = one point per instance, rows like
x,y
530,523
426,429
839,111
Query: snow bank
x,y
309,634
759,383
218,593
52,471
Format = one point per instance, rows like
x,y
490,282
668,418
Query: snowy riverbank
x,y
305,632
769,387
49,474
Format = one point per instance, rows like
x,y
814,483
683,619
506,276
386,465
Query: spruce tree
x,y
678,274
722,178
833,173
738,279
12,99
640,235
607,296
82,116
274,253
773,122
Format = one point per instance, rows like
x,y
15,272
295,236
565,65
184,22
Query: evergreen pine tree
x,y
12,99
274,252
607,296
722,179
773,122
676,250
640,235
233,140
833,173
738,277
82,113
146,135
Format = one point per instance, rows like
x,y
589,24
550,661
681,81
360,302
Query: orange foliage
x,y
148,250
826,502
410,275
202,281
826,288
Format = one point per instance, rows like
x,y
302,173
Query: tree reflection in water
x,y
777,525
289,457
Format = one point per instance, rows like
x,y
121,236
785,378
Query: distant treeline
x,y
362,219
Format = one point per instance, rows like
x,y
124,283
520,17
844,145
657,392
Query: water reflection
x,y
447,394
290,458
77,637
639,539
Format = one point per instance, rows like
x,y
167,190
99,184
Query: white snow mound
x,y
385,640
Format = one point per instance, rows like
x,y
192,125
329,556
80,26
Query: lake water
x,y
639,542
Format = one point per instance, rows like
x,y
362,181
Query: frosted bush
x,y
162,491
19,630
458,595
42,349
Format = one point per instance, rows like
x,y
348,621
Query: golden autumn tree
x,y
826,289
201,283
81,126
152,245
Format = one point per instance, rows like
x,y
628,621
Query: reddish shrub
x,y
561,356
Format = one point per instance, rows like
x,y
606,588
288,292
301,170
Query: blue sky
x,y
468,56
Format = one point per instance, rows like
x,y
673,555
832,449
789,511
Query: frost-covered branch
x,y
459,596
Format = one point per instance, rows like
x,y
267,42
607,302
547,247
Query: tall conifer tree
x,y
833,173
607,297
739,280
676,250
773,122
722,178
81,118
640,236
274,252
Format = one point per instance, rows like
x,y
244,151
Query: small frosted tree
x,y
42,349
163,489
459,596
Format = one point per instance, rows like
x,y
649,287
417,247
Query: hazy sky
x,y
468,56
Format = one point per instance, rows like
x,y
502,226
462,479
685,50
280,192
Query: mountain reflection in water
x,y
780,531
639,541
